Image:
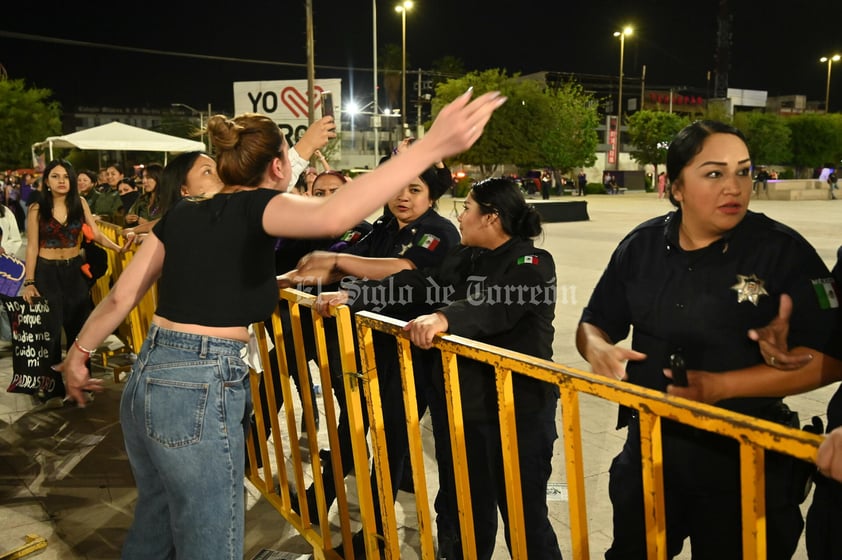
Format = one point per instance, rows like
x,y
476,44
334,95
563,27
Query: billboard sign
x,y
612,140
286,102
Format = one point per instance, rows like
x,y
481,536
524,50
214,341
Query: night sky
x,y
776,47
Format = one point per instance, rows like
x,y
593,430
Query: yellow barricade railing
x,y
133,330
754,437
274,486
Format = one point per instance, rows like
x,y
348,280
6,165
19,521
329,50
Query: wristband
x,y
28,283
82,348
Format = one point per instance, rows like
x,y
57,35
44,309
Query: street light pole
x,y
622,35
403,8
830,60
375,120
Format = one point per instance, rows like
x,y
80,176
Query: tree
x,y
816,140
447,67
391,60
537,127
507,138
570,137
27,116
768,137
650,132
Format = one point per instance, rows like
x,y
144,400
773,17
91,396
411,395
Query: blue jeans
x,y
183,414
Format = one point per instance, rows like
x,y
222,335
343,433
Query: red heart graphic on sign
x,y
296,100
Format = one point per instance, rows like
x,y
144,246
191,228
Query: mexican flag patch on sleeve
x,y
825,289
351,236
428,241
528,259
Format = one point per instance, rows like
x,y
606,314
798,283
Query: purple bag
x,y
12,272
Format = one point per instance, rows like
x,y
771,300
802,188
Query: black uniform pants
x,y
536,434
63,285
823,537
701,496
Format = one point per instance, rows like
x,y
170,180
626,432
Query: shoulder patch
x,y
428,241
825,289
351,236
528,259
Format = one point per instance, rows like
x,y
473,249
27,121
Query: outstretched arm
x,y
143,270
457,127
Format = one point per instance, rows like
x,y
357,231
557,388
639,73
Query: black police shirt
x,y
701,303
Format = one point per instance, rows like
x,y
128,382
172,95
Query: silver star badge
x,y
749,288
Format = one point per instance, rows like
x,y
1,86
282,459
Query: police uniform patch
x,y
428,241
825,289
351,236
528,259
749,288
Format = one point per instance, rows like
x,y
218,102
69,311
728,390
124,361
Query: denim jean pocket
x,y
175,411
235,371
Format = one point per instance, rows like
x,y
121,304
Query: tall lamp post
x,y
375,120
402,8
830,60
196,112
622,35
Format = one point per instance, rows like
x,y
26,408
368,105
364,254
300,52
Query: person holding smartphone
x,y
183,408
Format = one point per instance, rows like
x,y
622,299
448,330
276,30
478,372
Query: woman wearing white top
x,y
10,242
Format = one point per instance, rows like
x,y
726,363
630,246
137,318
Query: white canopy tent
x,y
117,136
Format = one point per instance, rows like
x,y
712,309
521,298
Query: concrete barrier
x,y
795,189
557,211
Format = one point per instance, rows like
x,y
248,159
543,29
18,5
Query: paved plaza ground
x,y
64,474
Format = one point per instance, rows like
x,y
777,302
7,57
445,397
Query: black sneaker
x,y
310,496
358,543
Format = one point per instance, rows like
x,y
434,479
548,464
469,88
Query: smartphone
x,y
679,370
327,103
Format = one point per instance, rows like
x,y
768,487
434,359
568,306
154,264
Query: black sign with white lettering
x,y
31,342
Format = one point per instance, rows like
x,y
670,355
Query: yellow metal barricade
x,y
755,437
132,330
282,465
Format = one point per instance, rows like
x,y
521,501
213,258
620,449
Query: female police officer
x,y
694,282
501,291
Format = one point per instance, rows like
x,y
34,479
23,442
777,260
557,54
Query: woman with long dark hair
x,y
53,253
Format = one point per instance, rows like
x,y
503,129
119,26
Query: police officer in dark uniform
x,y
287,254
692,283
409,235
823,538
497,288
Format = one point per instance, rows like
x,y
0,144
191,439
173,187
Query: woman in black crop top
x,y
53,260
184,404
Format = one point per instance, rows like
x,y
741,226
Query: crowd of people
x,y
730,291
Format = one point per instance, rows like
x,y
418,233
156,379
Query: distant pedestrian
x,y
833,183
760,180
583,182
662,184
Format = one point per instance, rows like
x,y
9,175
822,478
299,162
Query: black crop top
x,y
219,267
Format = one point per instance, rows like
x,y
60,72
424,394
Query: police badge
x,y
749,288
